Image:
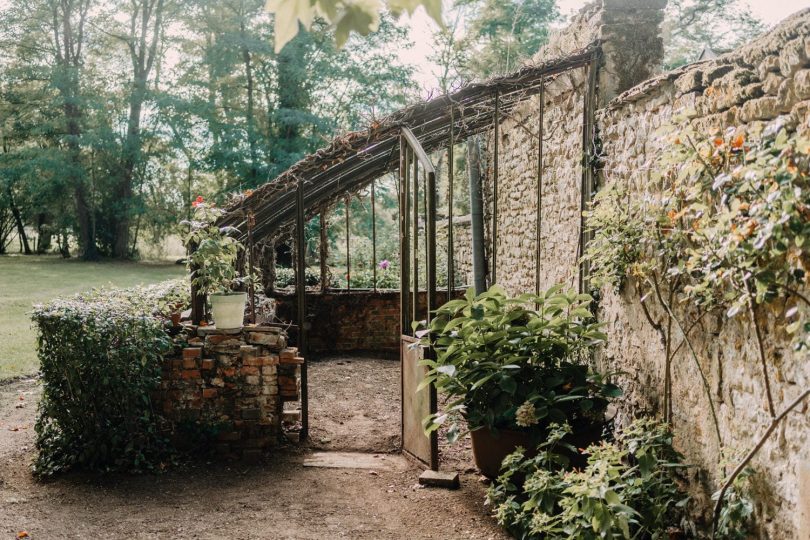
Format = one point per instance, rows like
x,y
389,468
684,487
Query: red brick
x,y
191,374
295,360
253,361
249,370
209,393
208,363
189,363
216,339
192,352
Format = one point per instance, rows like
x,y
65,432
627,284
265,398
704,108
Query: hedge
x,y
100,355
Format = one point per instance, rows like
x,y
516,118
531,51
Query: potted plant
x,y
513,366
212,264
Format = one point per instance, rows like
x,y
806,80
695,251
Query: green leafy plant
x,y
100,357
629,488
737,515
213,252
516,363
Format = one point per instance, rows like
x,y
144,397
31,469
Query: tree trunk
x,y
146,21
15,212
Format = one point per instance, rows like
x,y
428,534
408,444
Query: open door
x,y
416,405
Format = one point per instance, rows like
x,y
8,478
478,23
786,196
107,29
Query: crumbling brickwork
x,y
229,387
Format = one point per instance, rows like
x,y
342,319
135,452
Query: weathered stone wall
x,y
230,386
462,248
766,80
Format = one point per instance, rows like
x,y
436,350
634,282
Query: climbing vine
x,y
721,227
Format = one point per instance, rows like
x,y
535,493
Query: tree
x,y
692,25
502,34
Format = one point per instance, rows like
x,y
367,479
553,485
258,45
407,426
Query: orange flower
x,y
718,141
738,142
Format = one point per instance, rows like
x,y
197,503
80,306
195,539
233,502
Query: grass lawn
x,y
25,281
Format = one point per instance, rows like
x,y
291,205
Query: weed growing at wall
x,y
722,229
100,356
629,488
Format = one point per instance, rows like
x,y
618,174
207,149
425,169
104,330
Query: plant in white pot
x,y
212,264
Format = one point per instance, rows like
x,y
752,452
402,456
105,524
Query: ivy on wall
x,y
722,228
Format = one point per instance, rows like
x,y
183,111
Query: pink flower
x,y
384,264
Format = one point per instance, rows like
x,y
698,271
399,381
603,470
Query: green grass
x,y
25,281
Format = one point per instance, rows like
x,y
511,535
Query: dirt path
x,y
279,499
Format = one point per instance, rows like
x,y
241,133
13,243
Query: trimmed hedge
x,y
100,356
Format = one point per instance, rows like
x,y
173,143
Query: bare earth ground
x,y
354,406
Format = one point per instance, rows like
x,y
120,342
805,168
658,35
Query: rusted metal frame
x,y
451,278
495,163
587,186
431,303
373,236
415,245
522,83
348,246
539,216
324,250
404,237
301,294
251,222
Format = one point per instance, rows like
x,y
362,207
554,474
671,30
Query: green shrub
x,y
100,356
285,277
629,489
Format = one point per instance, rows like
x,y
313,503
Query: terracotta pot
x,y
175,317
489,448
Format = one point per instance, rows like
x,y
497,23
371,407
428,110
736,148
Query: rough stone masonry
x,y
766,80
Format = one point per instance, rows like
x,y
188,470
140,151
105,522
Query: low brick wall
x,y
350,321
229,387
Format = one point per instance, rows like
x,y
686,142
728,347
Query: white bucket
x,y
228,310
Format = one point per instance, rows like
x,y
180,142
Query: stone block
x,y
764,108
251,414
189,363
208,364
249,370
801,84
792,57
218,382
192,352
190,374
690,81
252,379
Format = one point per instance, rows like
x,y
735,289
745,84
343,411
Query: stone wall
x,y
766,80
462,248
229,388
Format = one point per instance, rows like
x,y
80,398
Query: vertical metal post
x,y
587,187
348,253
415,247
539,217
373,237
404,237
430,255
301,293
494,278
451,278
251,222
324,251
